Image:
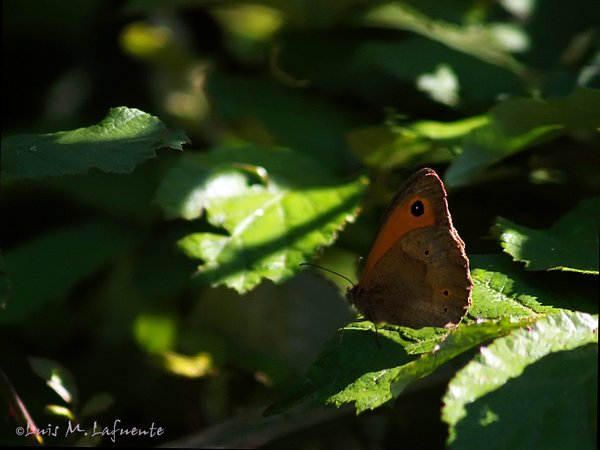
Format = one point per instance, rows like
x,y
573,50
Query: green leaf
x,y
123,139
276,208
352,359
530,389
95,405
154,332
421,142
571,244
480,41
59,379
519,123
500,290
317,128
303,325
355,368
372,67
190,366
46,268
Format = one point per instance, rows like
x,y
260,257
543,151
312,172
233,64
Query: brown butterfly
x,y
417,272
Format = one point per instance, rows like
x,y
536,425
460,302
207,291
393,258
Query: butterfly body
x,y
417,273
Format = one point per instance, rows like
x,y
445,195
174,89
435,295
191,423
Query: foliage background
x,y
356,90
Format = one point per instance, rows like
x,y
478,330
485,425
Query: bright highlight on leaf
x,y
441,85
59,410
194,366
59,379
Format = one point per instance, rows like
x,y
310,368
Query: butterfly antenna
x,y
371,312
329,270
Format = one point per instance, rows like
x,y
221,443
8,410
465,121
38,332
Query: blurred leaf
x,y
316,127
106,191
552,36
519,123
520,392
571,244
156,44
421,142
441,85
249,21
59,379
280,352
123,139
58,410
44,269
156,333
95,405
478,41
375,69
189,366
277,208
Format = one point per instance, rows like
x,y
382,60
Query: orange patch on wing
x,y
398,223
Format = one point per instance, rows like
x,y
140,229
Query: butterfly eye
x,y
417,208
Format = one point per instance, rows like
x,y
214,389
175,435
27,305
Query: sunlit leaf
x,y
571,244
424,142
123,139
529,388
359,367
519,123
500,290
354,368
276,208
